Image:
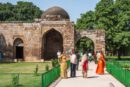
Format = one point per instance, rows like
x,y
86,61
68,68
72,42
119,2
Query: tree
x,y
22,11
86,21
114,17
122,29
6,11
26,11
85,44
105,17
121,40
103,13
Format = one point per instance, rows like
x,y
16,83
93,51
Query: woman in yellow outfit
x,y
63,66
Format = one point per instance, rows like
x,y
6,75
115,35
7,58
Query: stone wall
x,y
31,34
97,36
66,29
28,33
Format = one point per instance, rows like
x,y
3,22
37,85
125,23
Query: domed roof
x,y
55,13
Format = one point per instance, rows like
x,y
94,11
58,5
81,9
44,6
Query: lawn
x,y
124,63
116,58
23,67
25,72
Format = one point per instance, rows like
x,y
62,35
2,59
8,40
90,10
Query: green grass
x,y
27,78
123,58
117,57
23,67
124,63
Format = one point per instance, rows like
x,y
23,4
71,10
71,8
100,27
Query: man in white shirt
x,y
73,61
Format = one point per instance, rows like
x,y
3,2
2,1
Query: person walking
x,y
63,66
78,59
84,62
101,64
95,57
73,61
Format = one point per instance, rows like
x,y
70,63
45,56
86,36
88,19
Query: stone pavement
x,y
93,79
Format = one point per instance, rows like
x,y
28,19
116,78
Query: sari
x,y
84,65
101,65
63,66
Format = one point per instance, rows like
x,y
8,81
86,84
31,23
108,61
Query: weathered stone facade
x,y
96,35
35,40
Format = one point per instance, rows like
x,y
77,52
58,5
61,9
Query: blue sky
x,y
73,7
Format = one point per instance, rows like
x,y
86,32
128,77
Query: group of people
x,y
74,63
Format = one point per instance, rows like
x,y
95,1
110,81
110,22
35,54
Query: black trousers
x,y
72,70
77,64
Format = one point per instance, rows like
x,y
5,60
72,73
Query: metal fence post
x,y
42,83
18,80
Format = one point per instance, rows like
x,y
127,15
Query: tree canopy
x,y
114,17
86,21
22,11
85,44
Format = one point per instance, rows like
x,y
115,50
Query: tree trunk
x,y
119,54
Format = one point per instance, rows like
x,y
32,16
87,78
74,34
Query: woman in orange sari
x,y
101,64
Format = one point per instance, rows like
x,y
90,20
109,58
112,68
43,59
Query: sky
x,y
74,7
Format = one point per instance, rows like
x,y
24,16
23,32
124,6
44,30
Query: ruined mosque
x,y
40,40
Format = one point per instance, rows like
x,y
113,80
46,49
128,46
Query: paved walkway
x,y
93,80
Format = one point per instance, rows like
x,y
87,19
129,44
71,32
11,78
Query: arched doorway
x,y
1,55
3,46
18,49
85,44
52,41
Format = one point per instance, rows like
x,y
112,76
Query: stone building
x,y
44,37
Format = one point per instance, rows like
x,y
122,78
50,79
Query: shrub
x,y
36,70
54,62
126,67
15,80
47,67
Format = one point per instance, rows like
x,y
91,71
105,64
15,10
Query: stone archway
x,y
52,41
3,46
18,49
97,36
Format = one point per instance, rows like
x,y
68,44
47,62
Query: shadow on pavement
x,y
93,77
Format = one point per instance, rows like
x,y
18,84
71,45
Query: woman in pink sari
x,y
84,65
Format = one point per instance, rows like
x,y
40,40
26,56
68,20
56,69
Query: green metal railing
x,y
120,73
51,75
